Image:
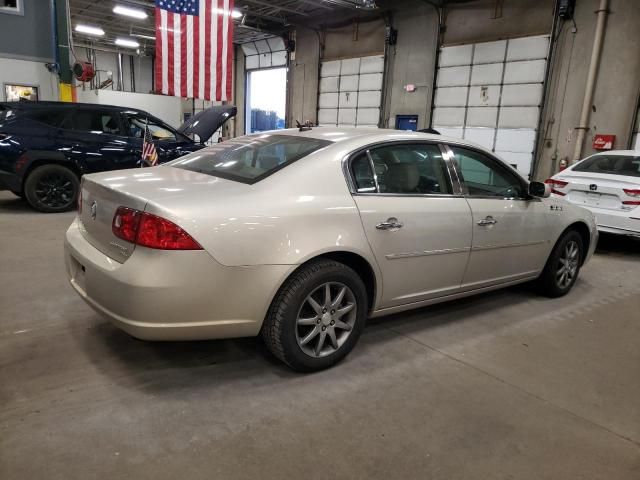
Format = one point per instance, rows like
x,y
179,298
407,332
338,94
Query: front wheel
x,y
52,188
317,316
562,268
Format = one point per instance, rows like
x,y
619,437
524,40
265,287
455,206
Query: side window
x,y
94,121
136,125
53,118
485,176
362,174
407,168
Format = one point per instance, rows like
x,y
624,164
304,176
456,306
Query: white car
x,y
303,235
608,184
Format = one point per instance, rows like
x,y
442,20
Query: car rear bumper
x,y
177,295
618,222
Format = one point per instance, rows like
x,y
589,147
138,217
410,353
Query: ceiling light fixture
x,y
124,42
148,37
130,12
97,31
236,14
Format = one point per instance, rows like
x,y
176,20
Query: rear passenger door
x,y
418,226
95,139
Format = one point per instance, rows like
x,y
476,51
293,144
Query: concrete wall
x,y
27,36
107,67
303,78
357,39
25,72
617,86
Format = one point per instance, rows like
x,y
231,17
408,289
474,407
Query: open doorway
x,y
266,99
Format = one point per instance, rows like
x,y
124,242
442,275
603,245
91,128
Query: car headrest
x,y
402,177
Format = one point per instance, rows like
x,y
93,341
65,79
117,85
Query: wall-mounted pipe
x,y
120,84
591,78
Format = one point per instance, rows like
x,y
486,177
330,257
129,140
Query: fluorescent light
x,y
222,11
236,14
130,12
89,30
123,42
148,37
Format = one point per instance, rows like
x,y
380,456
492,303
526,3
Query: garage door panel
x,y
329,84
349,83
350,66
458,55
279,58
484,95
266,60
531,71
481,136
487,74
518,117
449,116
368,116
448,131
347,116
526,94
482,116
328,116
373,64
371,81
451,97
529,48
489,52
521,161
348,100
330,69
328,100
453,76
251,62
369,99
512,140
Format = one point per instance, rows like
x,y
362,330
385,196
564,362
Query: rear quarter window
x,y
250,159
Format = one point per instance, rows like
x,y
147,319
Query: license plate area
x,y
592,198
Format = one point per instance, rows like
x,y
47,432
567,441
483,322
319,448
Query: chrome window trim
x,y
346,170
499,162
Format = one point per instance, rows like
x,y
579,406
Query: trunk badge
x,y
94,210
593,186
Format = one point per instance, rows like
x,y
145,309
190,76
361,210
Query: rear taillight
x,y
151,231
631,193
555,184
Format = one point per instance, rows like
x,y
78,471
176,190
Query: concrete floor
x,y
506,385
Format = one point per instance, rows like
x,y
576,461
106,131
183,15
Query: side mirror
x,y
539,189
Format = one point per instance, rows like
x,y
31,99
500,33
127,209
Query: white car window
x,y
627,165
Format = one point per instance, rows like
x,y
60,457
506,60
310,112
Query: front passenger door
x,y
509,227
419,229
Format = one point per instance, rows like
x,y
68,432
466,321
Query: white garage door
x,y
266,53
350,92
491,93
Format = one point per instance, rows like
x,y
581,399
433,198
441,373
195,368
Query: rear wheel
x,y
317,316
52,188
562,268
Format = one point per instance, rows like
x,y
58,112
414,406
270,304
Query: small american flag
x,y
149,154
194,43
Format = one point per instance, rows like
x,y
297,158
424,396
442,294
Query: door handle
x,y
390,224
489,220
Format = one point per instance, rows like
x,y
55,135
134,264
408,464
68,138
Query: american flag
x,y
149,154
194,41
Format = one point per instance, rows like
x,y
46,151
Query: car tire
x,y
563,265
303,328
52,188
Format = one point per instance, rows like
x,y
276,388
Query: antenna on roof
x,y
304,127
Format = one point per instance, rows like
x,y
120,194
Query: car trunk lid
x,y
598,190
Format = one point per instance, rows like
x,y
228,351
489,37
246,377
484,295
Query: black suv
x,y
45,147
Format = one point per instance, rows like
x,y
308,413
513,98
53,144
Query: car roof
x,y
64,105
337,134
634,153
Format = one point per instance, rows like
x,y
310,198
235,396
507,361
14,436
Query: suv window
x,y
485,176
612,164
410,168
94,121
136,123
52,118
249,159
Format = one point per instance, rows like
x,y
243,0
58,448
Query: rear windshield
x,y
612,164
249,159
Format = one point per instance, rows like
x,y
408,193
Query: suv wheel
x,y
317,316
52,188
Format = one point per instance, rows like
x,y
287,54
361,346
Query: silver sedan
x,y
300,236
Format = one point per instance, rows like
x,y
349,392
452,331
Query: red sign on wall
x,y
603,142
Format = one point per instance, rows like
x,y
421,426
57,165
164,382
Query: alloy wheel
x,y
325,319
568,264
54,190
